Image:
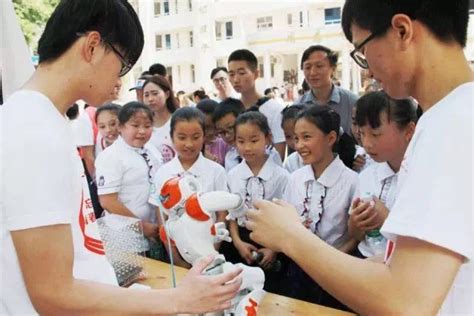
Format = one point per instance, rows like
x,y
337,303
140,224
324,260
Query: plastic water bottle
x,y
373,238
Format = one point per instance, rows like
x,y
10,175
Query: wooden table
x,y
159,277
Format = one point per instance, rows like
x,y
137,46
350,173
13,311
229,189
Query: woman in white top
x,y
159,96
106,118
257,177
322,193
125,169
187,132
386,127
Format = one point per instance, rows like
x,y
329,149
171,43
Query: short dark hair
x,y
244,55
255,118
116,21
73,112
216,70
157,69
130,109
447,20
291,112
187,114
201,94
164,84
267,91
111,107
229,105
332,55
207,106
370,107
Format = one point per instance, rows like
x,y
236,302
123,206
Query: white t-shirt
x,y
210,175
325,200
161,139
82,130
270,183
434,203
123,169
293,162
379,180
272,110
43,184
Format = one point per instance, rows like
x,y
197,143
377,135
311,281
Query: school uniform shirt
x,y
210,175
270,183
272,110
293,162
325,200
129,171
232,157
340,100
381,181
161,140
99,145
434,202
43,184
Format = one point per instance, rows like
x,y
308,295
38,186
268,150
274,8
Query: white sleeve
x,y
275,127
282,184
109,172
435,200
220,181
83,131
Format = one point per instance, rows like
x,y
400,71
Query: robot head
x,y
177,190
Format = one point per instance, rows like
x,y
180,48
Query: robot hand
x,y
220,233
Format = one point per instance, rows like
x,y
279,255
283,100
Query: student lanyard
x,y
307,205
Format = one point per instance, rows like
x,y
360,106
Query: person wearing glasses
x,y
321,191
319,65
52,258
220,79
125,169
413,48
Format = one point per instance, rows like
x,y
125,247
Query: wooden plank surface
x,y
158,276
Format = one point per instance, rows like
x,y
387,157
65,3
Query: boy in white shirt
x,y
429,269
87,56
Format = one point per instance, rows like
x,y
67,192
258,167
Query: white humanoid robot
x,y
192,229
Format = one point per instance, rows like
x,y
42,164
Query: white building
x,y
191,37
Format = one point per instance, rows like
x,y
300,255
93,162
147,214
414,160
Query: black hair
x,y
180,92
187,114
73,112
447,20
145,73
216,70
130,109
244,55
116,21
164,84
201,94
291,112
207,106
157,69
267,91
229,105
327,120
370,107
305,86
255,118
332,55
111,107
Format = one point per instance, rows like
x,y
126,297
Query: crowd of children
x,y
331,156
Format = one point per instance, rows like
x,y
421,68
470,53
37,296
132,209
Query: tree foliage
x,y
32,15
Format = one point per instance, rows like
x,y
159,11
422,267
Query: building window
x,y
157,7
301,19
229,32
179,73
218,31
193,74
260,66
332,16
191,39
265,23
168,41
166,7
158,42
290,19
190,5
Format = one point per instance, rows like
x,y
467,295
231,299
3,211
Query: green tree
x,y
32,15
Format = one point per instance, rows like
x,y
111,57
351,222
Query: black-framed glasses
x,y
126,65
357,54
